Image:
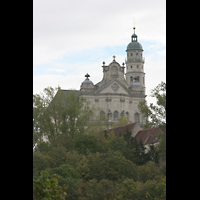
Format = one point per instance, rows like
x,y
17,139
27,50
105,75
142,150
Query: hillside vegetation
x,y
81,162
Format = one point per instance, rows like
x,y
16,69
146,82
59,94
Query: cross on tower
x,y
87,75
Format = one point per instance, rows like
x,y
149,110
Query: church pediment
x,y
114,86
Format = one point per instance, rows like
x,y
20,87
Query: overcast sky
x,y
72,38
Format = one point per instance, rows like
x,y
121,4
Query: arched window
x,y
115,116
137,117
102,115
127,115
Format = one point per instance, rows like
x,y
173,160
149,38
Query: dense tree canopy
x,y
79,161
156,115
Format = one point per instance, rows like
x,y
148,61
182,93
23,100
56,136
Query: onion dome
x,y
87,80
134,43
87,85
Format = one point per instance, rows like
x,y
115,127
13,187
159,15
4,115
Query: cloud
x,y
63,26
72,38
56,70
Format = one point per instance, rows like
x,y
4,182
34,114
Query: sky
x,y
73,38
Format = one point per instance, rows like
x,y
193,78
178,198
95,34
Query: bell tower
x,y
135,61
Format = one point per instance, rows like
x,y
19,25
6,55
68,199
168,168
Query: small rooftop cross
x,y
114,58
87,75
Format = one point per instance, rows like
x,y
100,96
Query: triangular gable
x,y
113,86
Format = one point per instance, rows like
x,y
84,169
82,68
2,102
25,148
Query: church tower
x,y
135,62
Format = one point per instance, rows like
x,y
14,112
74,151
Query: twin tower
x,y
120,90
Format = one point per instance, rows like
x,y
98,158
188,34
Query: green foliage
x,y
86,144
102,190
156,114
118,144
149,171
40,162
73,158
48,189
155,190
130,189
58,155
121,122
135,150
153,154
65,171
110,165
68,176
56,112
161,148
91,164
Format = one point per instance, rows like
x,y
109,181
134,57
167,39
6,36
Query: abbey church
x,y
121,88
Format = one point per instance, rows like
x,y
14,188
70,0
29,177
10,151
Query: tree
x,y
110,165
135,150
56,112
69,177
66,170
129,189
118,144
149,171
156,114
40,162
102,190
48,189
121,122
46,113
87,143
152,154
58,155
155,190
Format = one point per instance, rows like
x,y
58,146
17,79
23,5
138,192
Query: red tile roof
x,y
148,136
122,129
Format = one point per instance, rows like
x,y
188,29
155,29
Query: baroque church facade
x,y
121,88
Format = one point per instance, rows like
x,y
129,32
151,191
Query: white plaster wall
x,y
116,104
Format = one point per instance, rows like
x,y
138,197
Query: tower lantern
x,y
135,61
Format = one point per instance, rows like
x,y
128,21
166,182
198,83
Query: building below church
x,y
147,136
122,86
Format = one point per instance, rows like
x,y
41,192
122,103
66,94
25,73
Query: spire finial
x,y
134,36
114,58
87,75
134,26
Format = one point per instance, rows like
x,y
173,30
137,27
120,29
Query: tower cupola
x,y
134,43
87,85
134,36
